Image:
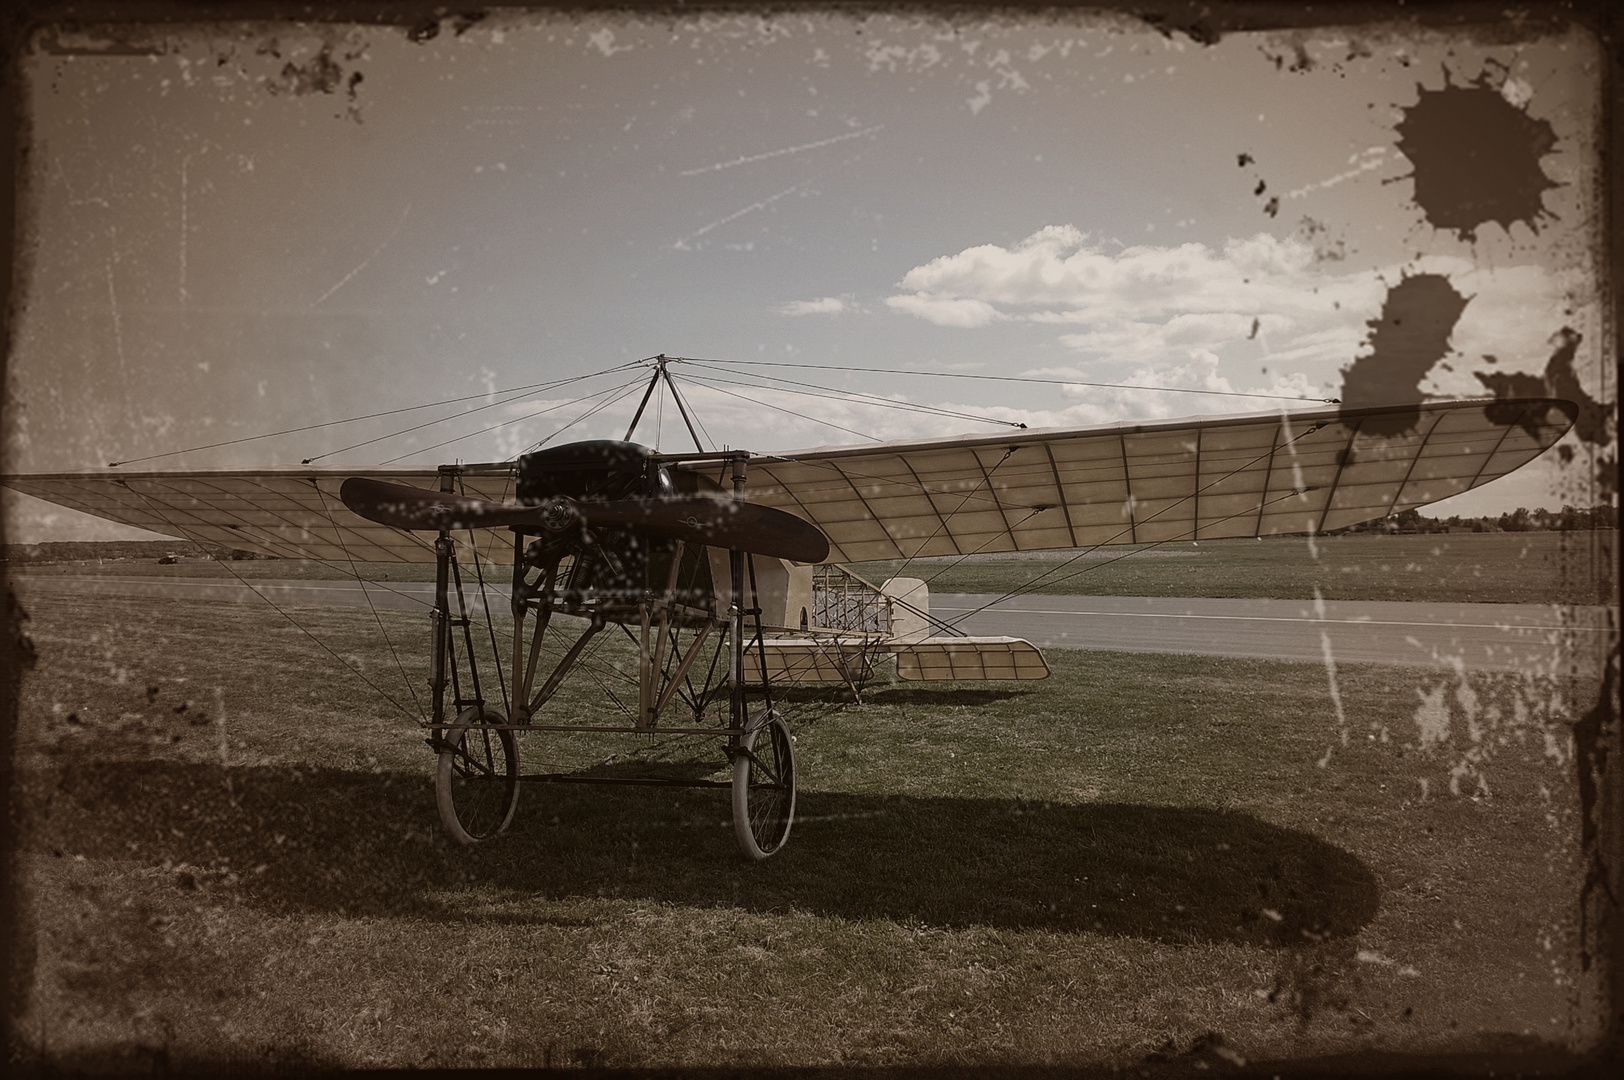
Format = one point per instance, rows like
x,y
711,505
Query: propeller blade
x,y
717,521
405,507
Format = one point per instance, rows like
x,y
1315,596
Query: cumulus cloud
x,y
947,310
1056,275
1260,299
826,305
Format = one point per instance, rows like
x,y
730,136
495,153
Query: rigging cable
x,y
779,408
356,573
505,423
1194,529
1026,589
369,416
466,412
1013,378
874,399
625,391
279,610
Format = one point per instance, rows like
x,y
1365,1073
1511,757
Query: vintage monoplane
x,y
725,568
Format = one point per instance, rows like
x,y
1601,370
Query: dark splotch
x,y
322,75
1594,423
1476,157
1325,248
1410,336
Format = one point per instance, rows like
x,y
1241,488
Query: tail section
x,y
851,624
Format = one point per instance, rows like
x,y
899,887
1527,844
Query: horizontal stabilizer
x,y
816,660
964,659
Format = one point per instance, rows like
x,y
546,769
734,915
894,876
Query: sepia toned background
x,y
249,237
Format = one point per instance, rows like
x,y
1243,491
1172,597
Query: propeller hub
x,y
558,515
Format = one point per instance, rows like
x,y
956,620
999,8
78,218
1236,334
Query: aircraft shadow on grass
x,y
335,840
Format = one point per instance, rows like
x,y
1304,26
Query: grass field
x,y
1532,567
230,855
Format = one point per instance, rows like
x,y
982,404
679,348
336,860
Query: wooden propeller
x,y
714,520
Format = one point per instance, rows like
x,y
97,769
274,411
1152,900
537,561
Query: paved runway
x,y
1481,637
1546,639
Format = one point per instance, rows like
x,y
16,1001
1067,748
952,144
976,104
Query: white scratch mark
x,y
1330,674
1374,158
719,166
183,163
220,722
363,265
1432,716
682,245
118,321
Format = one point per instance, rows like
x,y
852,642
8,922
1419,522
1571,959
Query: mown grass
x,y
1525,568
1533,567
230,855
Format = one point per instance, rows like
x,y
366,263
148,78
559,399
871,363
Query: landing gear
x,y
763,785
477,781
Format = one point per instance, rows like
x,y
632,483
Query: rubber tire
x,y
486,812
763,828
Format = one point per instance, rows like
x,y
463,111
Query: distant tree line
x,y
114,550
1522,519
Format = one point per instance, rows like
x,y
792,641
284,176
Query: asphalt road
x,y
1538,638
1542,639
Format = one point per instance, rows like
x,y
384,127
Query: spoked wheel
x,y
763,785
477,781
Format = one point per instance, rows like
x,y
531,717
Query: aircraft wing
x,y
291,512
1192,479
1197,478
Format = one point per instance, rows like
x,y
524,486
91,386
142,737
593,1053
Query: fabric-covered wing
x,y
1192,479
970,659
294,513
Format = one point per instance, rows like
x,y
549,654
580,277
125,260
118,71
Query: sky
x,y
230,231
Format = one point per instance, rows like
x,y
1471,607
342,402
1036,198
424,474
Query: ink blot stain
x,y
1593,423
1406,340
321,75
1476,158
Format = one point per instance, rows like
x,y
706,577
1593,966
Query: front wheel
x,y
477,780
763,785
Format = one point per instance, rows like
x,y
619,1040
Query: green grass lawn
x,y
1533,567
1525,568
230,855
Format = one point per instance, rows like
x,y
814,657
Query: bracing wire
x,y
469,435
1029,587
295,623
986,481
1012,378
625,391
517,420
356,573
872,399
518,390
779,408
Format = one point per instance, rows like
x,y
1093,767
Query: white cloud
x,y
947,311
826,305
1260,300
1056,275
